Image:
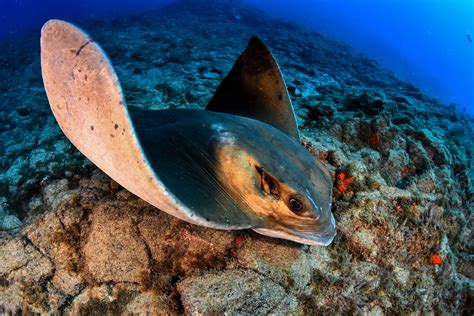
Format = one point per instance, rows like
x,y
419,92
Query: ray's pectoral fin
x,y
87,101
187,166
255,88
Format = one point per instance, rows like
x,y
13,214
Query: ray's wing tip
x,y
255,39
54,22
256,42
55,29
51,26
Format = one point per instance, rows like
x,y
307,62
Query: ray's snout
x,y
328,235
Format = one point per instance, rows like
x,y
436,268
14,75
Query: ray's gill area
x,y
73,241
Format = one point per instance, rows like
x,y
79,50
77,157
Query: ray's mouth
x,y
324,238
315,239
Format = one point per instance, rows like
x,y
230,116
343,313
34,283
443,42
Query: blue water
x,y
423,41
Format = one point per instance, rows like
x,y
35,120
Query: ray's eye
x,y
295,205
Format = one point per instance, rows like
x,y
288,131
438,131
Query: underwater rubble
x,y
73,241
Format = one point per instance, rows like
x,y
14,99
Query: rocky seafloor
x,y
73,241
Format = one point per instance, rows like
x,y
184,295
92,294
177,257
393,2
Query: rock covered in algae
x,y
402,165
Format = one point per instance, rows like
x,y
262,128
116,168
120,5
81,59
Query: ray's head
x,y
279,182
